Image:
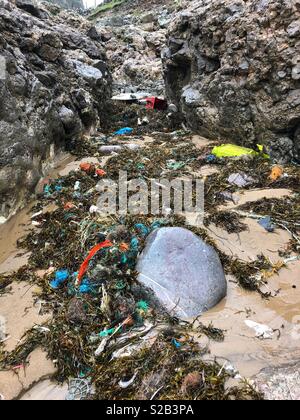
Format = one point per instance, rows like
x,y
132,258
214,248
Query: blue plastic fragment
x,y
176,343
124,131
124,259
134,244
86,287
156,225
60,278
47,189
267,224
142,229
210,158
58,188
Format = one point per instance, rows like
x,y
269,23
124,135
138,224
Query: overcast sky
x,y
91,3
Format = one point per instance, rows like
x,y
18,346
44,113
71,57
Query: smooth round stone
x,y
185,274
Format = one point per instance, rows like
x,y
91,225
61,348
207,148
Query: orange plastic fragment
x,y
276,173
123,247
85,264
100,172
128,322
69,206
87,167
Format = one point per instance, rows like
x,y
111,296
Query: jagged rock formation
x,y
135,34
54,83
233,67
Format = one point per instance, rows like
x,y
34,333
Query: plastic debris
x,y
115,148
91,169
262,331
140,166
276,173
291,259
77,186
267,224
126,384
172,108
143,230
69,206
87,167
120,285
142,305
228,196
102,346
190,383
94,209
86,287
47,190
131,97
60,278
84,265
39,213
123,247
175,166
232,150
58,188
100,172
176,343
232,371
157,224
124,131
106,333
134,244
143,121
210,159
79,389
240,180
156,103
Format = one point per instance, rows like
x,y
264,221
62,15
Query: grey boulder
x,y
184,273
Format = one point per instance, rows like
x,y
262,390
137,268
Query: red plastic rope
x,y
85,264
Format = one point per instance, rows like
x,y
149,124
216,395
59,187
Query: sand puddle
x,y
241,347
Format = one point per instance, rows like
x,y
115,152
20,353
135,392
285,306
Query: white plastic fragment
x,y
77,186
143,121
240,180
126,384
36,214
40,328
262,331
94,209
102,346
79,389
291,259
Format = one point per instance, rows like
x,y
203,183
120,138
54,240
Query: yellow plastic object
x,y
232,150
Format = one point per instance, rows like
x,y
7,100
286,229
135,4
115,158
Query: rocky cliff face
x,y
134,34
233,67
54,83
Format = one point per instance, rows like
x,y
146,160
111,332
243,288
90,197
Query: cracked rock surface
x,y
233,68
54,84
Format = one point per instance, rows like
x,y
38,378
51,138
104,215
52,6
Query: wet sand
x,y
14,382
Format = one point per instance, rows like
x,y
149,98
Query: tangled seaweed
x,y
111,331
